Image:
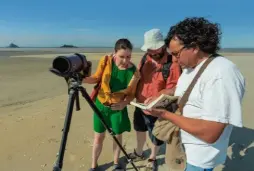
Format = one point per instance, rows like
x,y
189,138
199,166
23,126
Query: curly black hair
x,y
196,31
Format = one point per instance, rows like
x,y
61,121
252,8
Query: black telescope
x,y
66,66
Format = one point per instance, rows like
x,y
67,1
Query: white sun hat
x,y
153,39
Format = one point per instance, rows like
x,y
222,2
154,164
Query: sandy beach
x,y
33,105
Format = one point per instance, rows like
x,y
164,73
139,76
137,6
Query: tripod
x,y
74,88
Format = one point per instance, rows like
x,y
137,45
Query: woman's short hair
x,y
123,44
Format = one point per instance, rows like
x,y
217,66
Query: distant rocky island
x,y
68,46
12,45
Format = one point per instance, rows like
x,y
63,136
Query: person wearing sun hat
x,y
151,85
153,40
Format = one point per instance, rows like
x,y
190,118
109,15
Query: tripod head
x,y
74,81
73,88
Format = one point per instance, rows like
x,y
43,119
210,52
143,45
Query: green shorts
x,y
117,120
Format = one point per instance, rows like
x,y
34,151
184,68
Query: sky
x,y
88,23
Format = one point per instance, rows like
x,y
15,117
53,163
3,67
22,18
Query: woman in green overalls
x,y
119,78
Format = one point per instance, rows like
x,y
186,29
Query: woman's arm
x,y
131,93
95,78
90,80
133,86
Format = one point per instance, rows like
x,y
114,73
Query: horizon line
x,y
76,47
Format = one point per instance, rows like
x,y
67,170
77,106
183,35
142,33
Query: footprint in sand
x,y
52,140
9,157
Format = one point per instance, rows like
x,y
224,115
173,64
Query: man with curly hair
x,y
214,105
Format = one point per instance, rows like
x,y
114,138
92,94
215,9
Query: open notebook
x,y
161,102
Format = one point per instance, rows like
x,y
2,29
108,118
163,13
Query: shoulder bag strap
x,y
186,95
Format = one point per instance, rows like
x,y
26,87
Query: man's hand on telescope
x,y
119,106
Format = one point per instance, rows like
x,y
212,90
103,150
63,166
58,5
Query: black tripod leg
x,y
77,102
96,110
59,162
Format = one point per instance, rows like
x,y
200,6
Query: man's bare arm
x,y
208,131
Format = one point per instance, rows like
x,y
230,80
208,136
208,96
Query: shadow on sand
x,y
124,162
242,158
160,158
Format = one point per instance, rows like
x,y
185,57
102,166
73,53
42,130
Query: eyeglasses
x,y
177,53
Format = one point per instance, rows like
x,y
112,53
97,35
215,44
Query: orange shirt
x,y
152,82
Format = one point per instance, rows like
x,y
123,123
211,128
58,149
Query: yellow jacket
x,y
105,95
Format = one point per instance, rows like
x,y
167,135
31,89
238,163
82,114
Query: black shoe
x,y
94,169
117,167
135,157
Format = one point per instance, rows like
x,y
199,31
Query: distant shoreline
x,y
102,49
10,52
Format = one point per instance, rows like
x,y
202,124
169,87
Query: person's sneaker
x,y
117,167
135,157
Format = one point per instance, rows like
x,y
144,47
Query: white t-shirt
x,y
217,96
